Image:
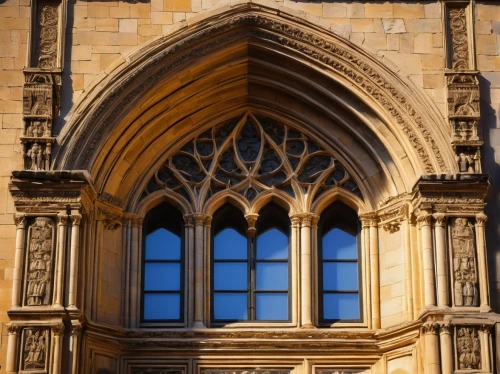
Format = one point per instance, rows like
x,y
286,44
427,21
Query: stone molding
x,y
352,64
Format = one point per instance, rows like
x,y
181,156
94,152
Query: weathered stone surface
x,y
394,26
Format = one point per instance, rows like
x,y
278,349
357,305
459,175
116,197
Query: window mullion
x,y
251,288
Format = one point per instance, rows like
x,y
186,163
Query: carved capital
x,y
430,328
76,329
307,219
199,219
439,219
295,221
76,219
486,329
481,219
445,328
392,227
13,329
58,330
314,221
252,220
62,220
424,218
20,221
188,220
208,221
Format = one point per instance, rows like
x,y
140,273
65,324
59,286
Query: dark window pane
x,y
272,276
272,245
231,245
162,306
230,306
340,276
341,306
230,276
163,245
272,306
162,276
339,245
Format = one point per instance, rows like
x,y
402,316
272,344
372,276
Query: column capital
x,y
76,219
76,328
481,219
13,329
295,221
440,219
485,328
368,220
445,328
62,219
20,221
430,328
58,330
199,219
188,220
424,218
251,220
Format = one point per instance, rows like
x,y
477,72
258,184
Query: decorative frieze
x,y
38,276
35,349
464,269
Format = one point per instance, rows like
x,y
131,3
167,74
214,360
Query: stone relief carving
x,y
346,62
468,348
46,41
465,288
157,371
457,31
35,349
244,371
39,261
249,155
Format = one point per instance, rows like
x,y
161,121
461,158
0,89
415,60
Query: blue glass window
x,y
250,275
163,265
339,265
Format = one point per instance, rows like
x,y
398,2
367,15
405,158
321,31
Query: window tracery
x,y
250,155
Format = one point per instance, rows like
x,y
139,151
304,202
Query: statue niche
x,y
39,262
464,272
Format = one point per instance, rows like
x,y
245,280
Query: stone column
x,y
428,259
62,223
374,274
135,263
295,248
443,294
199,244
189,245
305,271
12,346
17,276
57,333
73,265
430,330
485,348
446,343
481,261
127,238
365,237
74,345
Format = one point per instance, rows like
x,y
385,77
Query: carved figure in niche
x,y
47,153
35,349
468,348
465,163
36,156
464,264
465,130
39,269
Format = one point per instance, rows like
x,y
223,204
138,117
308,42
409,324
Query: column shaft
x,y
134,275
10,365
443,295
61,254
481,260
431,349
17,276
74,251
305,272
428,260
446,349
375,274
199,270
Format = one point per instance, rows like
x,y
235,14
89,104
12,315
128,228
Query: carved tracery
x,y
249,155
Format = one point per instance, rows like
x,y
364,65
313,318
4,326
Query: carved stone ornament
x,y
157,371
457,37
468,348
40,106
330,53
244,371
111,220
45,50
463,250
40,253
35,349
249,155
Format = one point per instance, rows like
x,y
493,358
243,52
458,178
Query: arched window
x,y
250,274
338,256
163,265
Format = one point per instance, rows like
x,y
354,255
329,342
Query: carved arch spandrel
x,y
412,116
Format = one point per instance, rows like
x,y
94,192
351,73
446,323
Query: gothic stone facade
x,y
108,108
